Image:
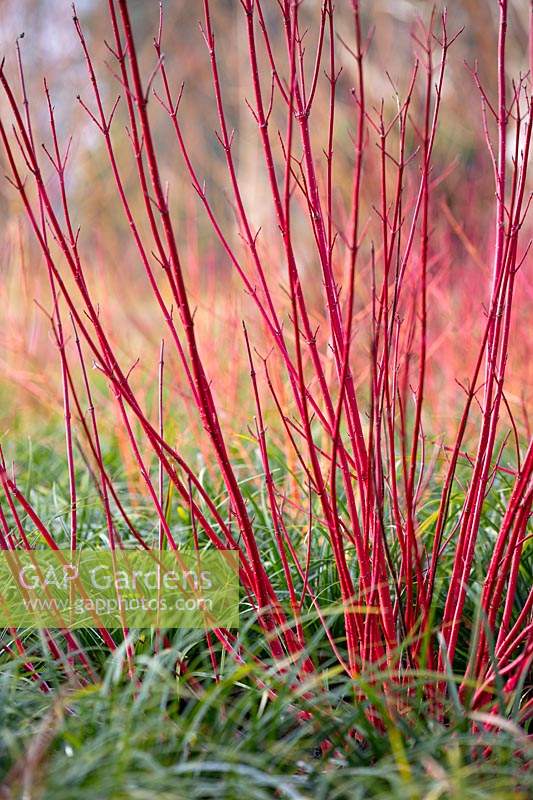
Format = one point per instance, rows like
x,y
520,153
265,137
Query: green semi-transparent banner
x,y
119,589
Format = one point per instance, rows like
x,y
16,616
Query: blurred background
x,y
461,212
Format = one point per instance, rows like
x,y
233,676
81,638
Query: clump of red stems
x,y
358,447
